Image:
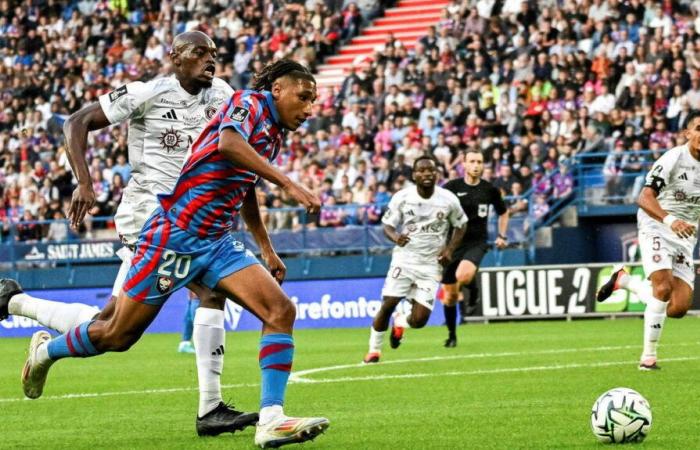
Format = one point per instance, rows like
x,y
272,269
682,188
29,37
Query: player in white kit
x,y
669,210
165,115
424,214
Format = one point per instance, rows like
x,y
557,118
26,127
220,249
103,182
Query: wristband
x,y
669,219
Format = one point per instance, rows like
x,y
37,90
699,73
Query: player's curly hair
x,y
284,67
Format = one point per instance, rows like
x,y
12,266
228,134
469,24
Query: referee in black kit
x,y
475,195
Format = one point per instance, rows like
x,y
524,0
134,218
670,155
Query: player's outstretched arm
x,y
650,204
239,152
396,237
76,130
250,211
445,255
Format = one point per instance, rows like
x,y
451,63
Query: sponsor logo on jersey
x,y
684,176
209,112
239,114
163,284
170,139
170,115
461,194
115,94
166,101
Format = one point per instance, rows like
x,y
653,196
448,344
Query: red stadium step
x,y
380,39
409,11
420,28
368,49
418,3
428,19
414,3
341,59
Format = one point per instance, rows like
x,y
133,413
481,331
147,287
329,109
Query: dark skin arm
x,y
76,130
250,211
445,255
396,237
239,152
648,202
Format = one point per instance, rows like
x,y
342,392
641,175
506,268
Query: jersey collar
x,y
271,106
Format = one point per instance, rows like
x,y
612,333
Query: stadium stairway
x,y
407,22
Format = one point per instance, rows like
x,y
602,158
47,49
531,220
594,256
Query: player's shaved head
x,y
188,41
193,56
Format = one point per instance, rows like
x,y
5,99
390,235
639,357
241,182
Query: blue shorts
x,y
167,258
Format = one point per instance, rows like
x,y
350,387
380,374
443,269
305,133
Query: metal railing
x,y
292,231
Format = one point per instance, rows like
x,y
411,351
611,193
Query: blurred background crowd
x,y
530,83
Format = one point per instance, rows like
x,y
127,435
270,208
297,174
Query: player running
x,y
475,195
188,239
165,115
425,214
669,210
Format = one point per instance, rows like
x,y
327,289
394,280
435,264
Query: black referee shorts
x,y
472,252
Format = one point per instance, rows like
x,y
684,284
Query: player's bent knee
x,y
282,316
662,291
675,312
211,299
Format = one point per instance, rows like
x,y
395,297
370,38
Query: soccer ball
x,y
621,415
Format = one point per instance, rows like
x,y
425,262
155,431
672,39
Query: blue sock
x,y
192,306
276,354
75,343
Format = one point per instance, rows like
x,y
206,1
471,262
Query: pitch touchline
x,y
296,377
299,377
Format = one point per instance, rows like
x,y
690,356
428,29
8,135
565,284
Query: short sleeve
x,y
241,113
456,216
497,201
660,173
393,216
127,101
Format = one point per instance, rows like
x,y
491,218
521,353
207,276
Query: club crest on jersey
x,y
209,112
483,210
115,94
440,215
170,139
239,114
163,284
679,195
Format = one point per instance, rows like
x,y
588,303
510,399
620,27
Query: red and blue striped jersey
x,y
211,189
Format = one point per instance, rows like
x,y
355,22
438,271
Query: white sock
x,y
208,337
42,355
638,286
57,315
401,321
269,413
654,317
376,339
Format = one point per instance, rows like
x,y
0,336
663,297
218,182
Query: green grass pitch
x,y
506,386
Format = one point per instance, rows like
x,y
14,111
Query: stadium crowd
x,y
529,83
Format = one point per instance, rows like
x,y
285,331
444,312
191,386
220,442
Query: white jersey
x,y
164,120
676,178
426,221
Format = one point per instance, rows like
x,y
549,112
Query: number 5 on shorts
x,y
182,264
656,243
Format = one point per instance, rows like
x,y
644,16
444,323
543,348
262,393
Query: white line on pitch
x,y
297,379
488,371
299,376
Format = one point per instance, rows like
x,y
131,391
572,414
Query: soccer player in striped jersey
x,y
165,115
188,239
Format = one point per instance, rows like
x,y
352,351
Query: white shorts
x,y
412,283
133,211
662,249
125,255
